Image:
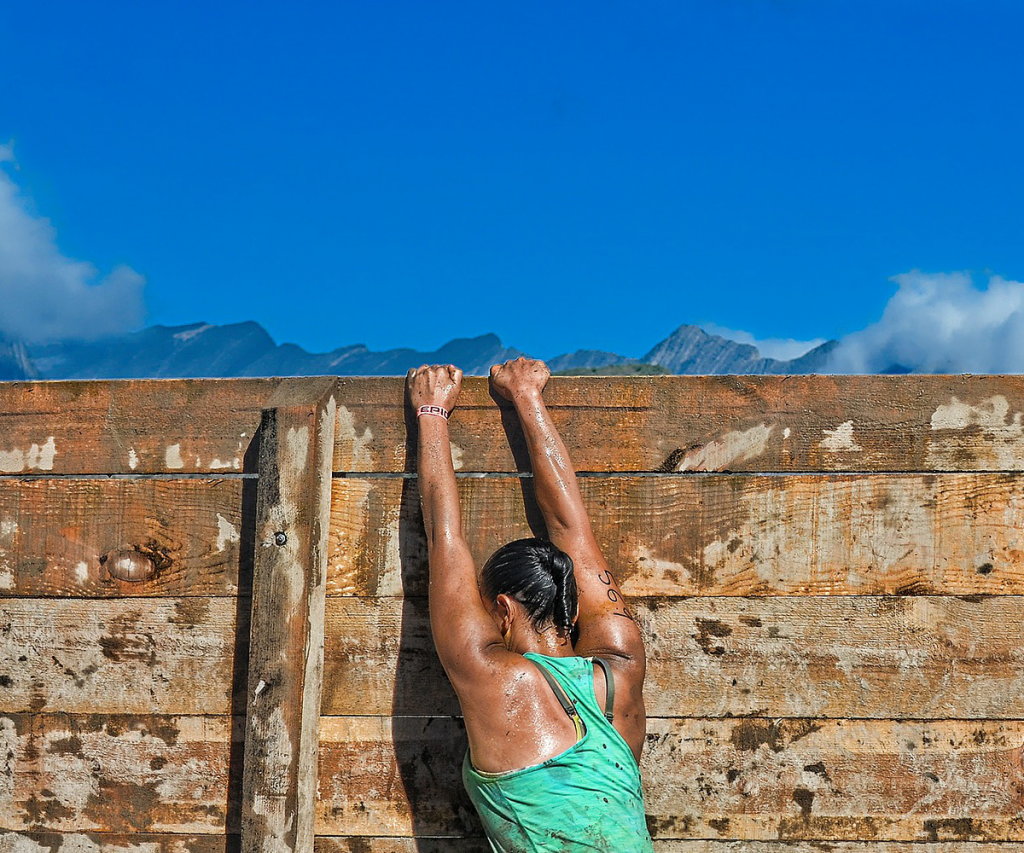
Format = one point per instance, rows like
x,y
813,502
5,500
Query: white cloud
x,y
940,323
780,348
47,296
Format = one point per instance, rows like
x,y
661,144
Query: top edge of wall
x,y
670,424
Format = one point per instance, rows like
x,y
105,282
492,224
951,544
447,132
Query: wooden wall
x,y
828,571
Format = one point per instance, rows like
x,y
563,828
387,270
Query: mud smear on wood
x,y
45,810
674,826
710,630
123,643
121,805
750,735
190,612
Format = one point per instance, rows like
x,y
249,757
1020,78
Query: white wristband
x,y
440,411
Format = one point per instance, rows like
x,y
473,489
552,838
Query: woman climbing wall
x,y
555,729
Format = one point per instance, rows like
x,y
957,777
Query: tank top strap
x,y
609,680
563,698
572,681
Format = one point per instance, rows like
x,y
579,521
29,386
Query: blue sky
x,y
565,174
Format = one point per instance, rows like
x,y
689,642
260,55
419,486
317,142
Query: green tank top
x,y
585,799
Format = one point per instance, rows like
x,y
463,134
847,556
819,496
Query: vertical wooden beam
x,y
287,634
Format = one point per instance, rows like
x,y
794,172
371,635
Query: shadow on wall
x,y
430,748
240,659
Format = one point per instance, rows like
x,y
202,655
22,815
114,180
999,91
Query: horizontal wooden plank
x,y
172,656
751,423
130,427
94,842
909,657
740,779
70,536
719,534
120,774
924,656
99,842
739,423
367,844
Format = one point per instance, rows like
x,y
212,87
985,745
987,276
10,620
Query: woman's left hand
x,y
434,385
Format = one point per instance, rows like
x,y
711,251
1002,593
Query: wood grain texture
x,y
366,844
97,842
130,426
286,646
645,424
718,534
804,636
64,536
921,657
759,779
738,423
120,774
173,656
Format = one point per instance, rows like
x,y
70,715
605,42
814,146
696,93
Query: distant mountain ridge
x,y
246,349
242,349
689,349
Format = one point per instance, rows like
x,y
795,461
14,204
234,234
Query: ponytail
x,y
566,595
537,575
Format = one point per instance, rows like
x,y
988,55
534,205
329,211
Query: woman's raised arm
x,y
464,633
605,626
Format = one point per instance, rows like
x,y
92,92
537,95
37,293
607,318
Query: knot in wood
x,y
128,565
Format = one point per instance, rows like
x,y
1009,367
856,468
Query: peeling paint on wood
x,y
729,450
840,439
984,434
35,458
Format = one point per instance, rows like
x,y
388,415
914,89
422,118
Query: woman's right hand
x,y
519,377
434,385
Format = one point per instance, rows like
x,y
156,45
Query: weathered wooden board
x,y
121,774
727,535
67,536
173,656
366,844
130,427
93,842
741,423
285,665
96,842
922,657
718,534
750,778
834,423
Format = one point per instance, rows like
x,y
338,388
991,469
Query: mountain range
x,y
246,349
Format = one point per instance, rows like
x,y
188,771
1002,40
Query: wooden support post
x,y
287,635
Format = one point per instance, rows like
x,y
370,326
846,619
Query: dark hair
x,y
537,575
